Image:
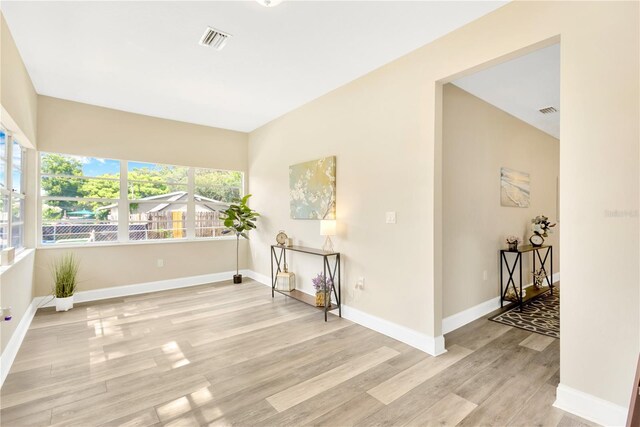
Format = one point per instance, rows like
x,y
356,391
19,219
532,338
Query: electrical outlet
x,y
391,217
360,283
160,262
485,275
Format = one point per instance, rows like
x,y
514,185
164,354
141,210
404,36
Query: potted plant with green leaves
x,y
65,272
239,219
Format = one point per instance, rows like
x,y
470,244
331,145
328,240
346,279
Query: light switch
x,y
391,217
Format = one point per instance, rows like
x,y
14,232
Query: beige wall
x,y
17,95
385,129
479,139
377,150
106,267
81,129
18,100
16,292
75,128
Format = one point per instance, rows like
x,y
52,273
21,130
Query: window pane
x,y
79,221
17,222
224,186
17,167
154,172
3,144
3,159
90,188
154,181
17,235
17,155
64,164
157,220
3,174
208,222
16,180
4,221
157,191
17,209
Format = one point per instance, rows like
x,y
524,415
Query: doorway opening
x,y
500,184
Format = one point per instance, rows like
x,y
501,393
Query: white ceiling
x,y
521,87
144,57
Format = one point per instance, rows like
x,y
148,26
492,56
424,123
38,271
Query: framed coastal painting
x,y
514,188
312,189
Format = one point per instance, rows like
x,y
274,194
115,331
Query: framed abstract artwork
x,y
312,189
514,188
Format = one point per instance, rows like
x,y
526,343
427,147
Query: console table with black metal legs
x,y
331,268
536,251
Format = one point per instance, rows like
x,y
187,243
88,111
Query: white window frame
x,y
123,206
9,190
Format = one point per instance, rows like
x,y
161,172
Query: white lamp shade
x,y
327,227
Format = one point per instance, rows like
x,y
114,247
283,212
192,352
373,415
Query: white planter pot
x,y
64,304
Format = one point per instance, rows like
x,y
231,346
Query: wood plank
x,y
315,410
34,419
316,385
446,412
540,410
537,342
410,378
146,417
498,408
51,401
350,412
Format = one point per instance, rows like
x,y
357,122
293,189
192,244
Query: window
x,y
83,198
76,193
12,191
214,190
157,201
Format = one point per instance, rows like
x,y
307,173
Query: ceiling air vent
x,y
548,110
214,38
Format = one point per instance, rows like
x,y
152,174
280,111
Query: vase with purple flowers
x,y
322,286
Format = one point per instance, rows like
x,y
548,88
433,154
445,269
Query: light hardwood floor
x,y
225,354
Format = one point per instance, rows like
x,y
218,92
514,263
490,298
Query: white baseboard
x,y
11,350
142,288
460,319
589,407
431,345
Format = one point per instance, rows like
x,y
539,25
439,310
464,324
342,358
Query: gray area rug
x,y
542,315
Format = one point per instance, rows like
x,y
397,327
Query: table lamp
x,y
328,228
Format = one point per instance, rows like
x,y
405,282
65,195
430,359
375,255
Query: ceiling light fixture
x,y
269,3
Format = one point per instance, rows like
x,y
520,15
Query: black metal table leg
x,y
519,259
551,267
339,287
324,267
502,259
